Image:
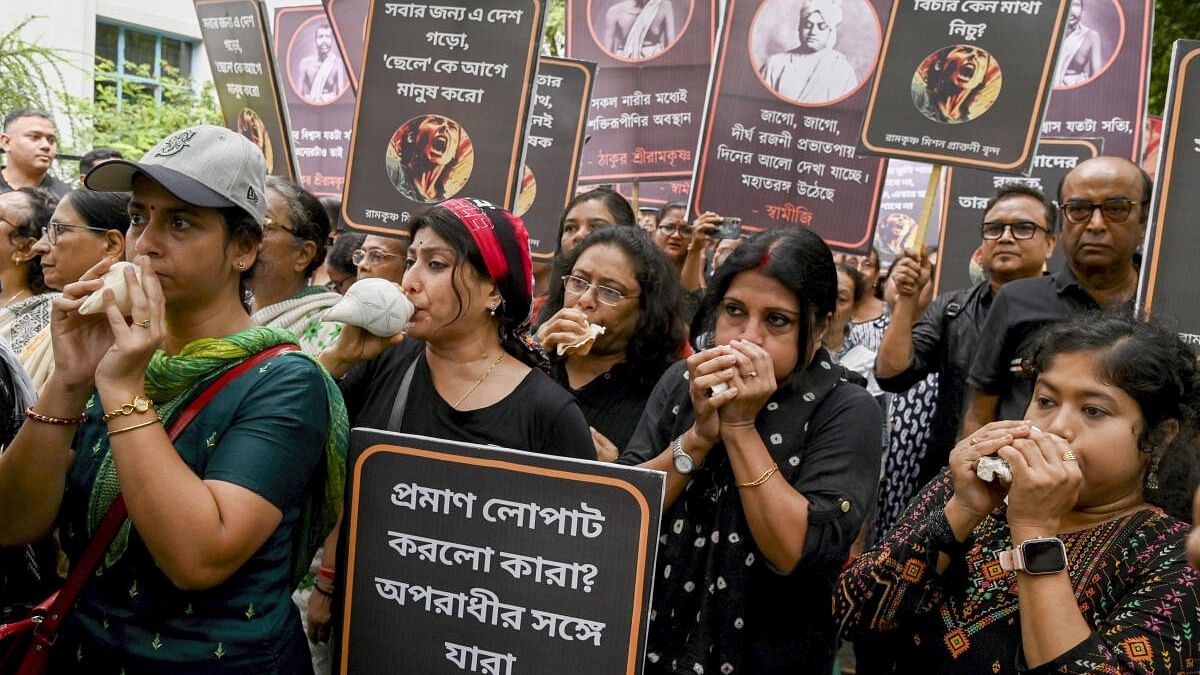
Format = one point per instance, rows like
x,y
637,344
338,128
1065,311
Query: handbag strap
x,y
401,402
57,605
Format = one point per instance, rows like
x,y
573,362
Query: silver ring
x,y
144,324
754,373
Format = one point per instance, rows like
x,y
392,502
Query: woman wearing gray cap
x,y
216,453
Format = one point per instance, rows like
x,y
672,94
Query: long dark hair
x,y
106,210
800,261
1158,371
41,204
513,313
659,332
616,204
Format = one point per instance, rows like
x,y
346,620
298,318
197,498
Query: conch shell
x,y
594,330
990,469
375,305
718,388
114,278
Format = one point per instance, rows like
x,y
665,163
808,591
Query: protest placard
x,y
319,100
443,107
656,194
896,225
555,141
349,21
784,103
964,82
968,191
470,558
1101,80
236,41
1166,288
654,59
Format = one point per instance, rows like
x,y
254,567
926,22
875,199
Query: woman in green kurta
x,y
222,520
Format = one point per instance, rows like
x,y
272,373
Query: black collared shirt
x,y
49,182
612,402
1019,312
944,342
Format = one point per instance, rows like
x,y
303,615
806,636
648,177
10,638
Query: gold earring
x,y
241,264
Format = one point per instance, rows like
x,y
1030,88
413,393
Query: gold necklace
x,y
476,386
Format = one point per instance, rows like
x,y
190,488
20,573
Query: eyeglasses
x,y
607,296
54,230
271,224
373,256
669,229
1021,230
1114,210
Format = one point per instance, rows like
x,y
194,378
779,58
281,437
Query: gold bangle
x,y
761,479
114,432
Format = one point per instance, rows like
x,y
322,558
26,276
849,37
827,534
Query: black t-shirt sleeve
x,y
567,434
658,419
926,348
990,368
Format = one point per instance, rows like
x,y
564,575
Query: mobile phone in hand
x,y
730,228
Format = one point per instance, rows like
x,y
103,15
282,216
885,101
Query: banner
x,y
900,206
968,191
785,100
656,194
349,21
964,82
442,112
319,100
654,60
555,142
470,558
1101,80
235,39
1167,286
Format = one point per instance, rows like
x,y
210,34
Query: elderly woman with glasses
x,y
24,298
86,227
615,278
292,248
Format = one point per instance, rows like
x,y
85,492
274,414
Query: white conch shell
x,y
718,388
991,469
376,305
582,347
114,278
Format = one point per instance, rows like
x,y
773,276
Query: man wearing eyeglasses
x,y
380,258
1103,203
1017,239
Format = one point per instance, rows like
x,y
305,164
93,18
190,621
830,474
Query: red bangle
x,y
327,573
47,419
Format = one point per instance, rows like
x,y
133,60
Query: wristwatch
x,y
1035,556
684,463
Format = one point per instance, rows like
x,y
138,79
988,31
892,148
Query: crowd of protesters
x,y
820,421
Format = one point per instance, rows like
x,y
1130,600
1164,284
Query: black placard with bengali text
x,y
1167,286
243,71
1101,80
646,107
319,99
776,152
443,108
969,190
462,555
349,21
896,226
555,143
964,82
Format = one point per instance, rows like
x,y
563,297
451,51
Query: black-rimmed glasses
x,y
1114,210
54,230
1021,230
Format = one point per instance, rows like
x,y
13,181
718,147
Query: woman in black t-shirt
x,y
476,375
616,278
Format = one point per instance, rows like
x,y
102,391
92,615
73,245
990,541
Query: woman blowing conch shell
x,y
376,305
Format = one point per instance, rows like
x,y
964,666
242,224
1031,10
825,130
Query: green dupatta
x,y
173,381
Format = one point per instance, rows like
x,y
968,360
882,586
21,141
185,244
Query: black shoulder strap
x,y
401,401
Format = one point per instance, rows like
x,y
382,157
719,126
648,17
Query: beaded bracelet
x,y
327,573
322,591
48,419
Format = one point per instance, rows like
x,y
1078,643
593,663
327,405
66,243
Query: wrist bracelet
x,y
322,591
139,404
114,432
761,479
327,573
49,419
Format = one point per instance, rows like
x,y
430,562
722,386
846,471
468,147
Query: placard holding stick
x,y
1166,288
964,82
247,83
478,555
443,108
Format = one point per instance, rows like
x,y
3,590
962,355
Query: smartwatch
x,y
684,463
1035,556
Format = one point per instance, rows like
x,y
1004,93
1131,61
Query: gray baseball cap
x,y
206,165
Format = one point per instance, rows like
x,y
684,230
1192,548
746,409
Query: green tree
x,y
135,121
1173,20
554,34
31,75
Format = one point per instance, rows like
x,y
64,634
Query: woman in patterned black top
x,y
787,457
1113,404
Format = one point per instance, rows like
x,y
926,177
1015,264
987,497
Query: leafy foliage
x,y
554,41
1173,20
31,75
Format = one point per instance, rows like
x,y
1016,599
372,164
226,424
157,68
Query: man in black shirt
x,y
30,144
1103,203
1017,239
